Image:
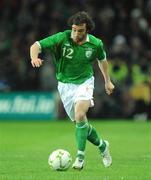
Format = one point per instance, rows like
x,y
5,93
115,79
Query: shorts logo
x,y
88,53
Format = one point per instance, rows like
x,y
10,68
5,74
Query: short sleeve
x,y
51,41
101,52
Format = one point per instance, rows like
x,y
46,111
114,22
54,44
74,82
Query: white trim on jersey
x,y
38,45
103,59
87,39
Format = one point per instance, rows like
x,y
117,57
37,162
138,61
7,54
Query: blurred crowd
x,y
123,25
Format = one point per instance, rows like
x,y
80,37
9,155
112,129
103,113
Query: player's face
x,y
79,32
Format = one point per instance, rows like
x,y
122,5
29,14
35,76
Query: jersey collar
x,y
87,38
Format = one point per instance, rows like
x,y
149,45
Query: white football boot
x,y
78,164
107,159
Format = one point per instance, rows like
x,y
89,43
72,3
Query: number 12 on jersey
x,y
68,52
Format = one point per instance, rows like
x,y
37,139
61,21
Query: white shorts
x,y
71,93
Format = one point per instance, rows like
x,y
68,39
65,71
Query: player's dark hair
x,y
81,18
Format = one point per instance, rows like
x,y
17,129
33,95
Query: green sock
x,y
94,138
102,146
81,137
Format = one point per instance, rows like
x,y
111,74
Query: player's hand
x,y
109,87
36,62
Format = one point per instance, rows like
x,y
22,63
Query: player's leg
x,y
102,145
95,139
81,108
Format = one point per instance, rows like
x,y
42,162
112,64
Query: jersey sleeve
x,y
51,41
101,52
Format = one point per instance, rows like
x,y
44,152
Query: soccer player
x,y
73,53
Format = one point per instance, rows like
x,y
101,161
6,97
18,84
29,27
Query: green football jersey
x,y
73,62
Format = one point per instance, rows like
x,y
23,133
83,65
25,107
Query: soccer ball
x,y
60,160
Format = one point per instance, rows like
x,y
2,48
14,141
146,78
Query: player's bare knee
x,y
79,116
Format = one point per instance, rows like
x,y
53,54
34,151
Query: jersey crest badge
x,y
88,53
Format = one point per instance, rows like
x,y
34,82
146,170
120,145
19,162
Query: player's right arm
x,y
48,43
34,52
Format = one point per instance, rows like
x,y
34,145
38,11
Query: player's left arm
x,y
103,65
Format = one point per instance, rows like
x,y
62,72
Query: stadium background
x,y
124,27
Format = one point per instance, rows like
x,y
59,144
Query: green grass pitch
x,y
25,147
